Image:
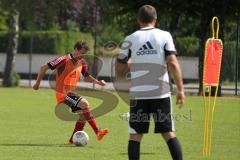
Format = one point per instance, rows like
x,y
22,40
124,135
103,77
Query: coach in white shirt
x,y
152,52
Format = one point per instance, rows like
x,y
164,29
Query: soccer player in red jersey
x,y
68,72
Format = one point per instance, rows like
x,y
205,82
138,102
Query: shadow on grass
x,y
142,153
37,145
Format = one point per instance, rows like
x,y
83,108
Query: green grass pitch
x,y
29,129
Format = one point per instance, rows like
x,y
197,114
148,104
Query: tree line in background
x,y
187,20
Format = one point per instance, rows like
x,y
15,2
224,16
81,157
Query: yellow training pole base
x,y
209,108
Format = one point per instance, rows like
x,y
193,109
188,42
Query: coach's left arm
x,y
175,70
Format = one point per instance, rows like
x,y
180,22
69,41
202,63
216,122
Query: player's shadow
x,y
37,145
142,153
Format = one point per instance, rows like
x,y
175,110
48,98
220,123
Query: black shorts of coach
x,y
141,111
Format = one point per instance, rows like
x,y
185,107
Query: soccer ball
x,y
80,138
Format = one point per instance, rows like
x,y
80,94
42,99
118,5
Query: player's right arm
x,y
41,74
53,64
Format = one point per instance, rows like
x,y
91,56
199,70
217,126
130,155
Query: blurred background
x,y
31,32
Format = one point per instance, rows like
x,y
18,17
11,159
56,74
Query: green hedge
x,y
187,46
110,33
48,42
229,60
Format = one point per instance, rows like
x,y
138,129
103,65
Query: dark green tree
x,y
180,17
13,34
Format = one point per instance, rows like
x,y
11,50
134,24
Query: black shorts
x,y
72,101
141,111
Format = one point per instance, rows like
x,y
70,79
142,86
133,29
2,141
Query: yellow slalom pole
x,y
208,117
207,110
209,106
205,122
209,146
211,122
213,28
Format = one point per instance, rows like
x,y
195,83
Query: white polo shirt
x,y
148,48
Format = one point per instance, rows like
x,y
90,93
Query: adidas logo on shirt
x,y
146,49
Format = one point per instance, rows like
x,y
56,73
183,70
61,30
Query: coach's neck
x,y
144,25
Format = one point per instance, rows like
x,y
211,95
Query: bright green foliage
x,y
3,20
187,46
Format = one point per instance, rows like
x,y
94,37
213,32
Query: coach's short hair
x,y
81,44
147,13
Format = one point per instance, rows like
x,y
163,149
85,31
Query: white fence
x,y
189,65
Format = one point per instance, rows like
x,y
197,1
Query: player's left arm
x,y
88,77
91,79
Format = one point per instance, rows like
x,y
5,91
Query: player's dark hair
x,y
146,14
81,44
